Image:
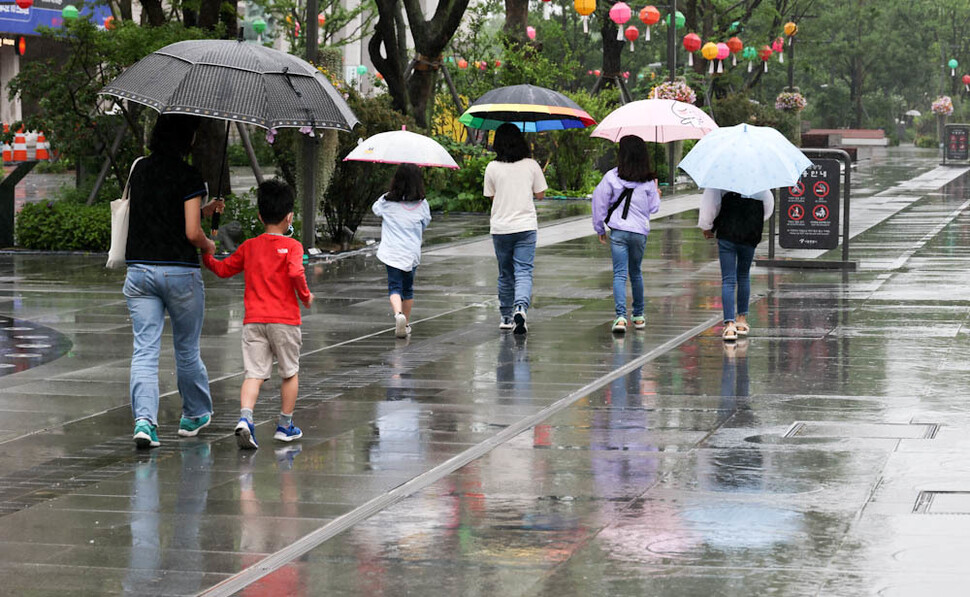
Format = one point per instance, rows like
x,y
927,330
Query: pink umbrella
x,y
656,121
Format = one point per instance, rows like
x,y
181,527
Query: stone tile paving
x,y
676,478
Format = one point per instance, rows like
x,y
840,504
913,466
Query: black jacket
x,y
740,220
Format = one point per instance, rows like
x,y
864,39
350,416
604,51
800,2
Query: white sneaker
x,y
506,324
401,327
518,318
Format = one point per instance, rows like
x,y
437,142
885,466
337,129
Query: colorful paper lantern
x,y
735,45
679,20
498,63
24,4
109,22
650,16
966,82
462,63
361,69
620,13
596,73
953,64
69,12
722,52
259,25
778,46
709,52
483,65
585,8
530,32
749,54
790,29
765,54
692,43
322,19
631,33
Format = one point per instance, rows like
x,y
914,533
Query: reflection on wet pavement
x,y
790,463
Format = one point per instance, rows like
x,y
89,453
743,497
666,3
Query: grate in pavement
x,y
823,429
942,502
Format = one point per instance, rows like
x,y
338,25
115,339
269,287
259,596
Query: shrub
x,y
356,185
64,226
459,190
926,141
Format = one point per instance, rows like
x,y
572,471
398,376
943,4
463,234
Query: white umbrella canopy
x,y
913,113
746,159
402,147
655,121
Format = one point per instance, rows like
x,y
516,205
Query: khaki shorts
x,y
261,342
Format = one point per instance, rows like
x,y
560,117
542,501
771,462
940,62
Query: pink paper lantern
x,y
723,51
530,32
620,14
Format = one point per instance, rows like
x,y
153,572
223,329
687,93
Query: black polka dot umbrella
x,y
234,81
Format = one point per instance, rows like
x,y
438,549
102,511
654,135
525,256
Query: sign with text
x,y
43,13
809,211
957,137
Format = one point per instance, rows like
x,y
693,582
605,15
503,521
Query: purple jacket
x,y
645,201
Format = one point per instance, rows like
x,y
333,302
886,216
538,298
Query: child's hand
x,y
308,301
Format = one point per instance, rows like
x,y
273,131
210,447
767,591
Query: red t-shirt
x,y
273,267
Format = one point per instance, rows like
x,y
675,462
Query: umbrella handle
x,y
215,223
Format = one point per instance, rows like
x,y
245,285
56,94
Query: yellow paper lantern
x,y
709,51
585,8
790,29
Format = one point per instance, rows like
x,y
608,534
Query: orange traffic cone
x,y
43,150
20,147
7,153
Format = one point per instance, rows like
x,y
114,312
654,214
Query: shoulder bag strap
x,y
124,193
624,198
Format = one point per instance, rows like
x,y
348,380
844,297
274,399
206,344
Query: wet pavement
x,y
825,455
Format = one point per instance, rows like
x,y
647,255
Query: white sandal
x,y
730,331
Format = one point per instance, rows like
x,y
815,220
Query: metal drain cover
x,y
942,502
814,429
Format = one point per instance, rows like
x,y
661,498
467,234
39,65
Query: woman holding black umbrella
x,y
511,181
164,236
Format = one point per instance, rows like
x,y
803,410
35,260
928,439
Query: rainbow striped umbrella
x,y
532,109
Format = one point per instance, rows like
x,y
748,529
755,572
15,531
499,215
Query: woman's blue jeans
x,y
627,250
516,254
735,277
151,290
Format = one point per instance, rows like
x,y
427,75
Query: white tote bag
x,y
119,226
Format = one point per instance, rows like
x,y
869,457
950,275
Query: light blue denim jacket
x,y
402,227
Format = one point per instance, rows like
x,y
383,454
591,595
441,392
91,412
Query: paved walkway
x,y
823,456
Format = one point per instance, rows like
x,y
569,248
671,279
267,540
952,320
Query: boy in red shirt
x,y
273,271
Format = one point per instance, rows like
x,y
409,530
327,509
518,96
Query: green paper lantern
x,y
679,20
69,12
735,27
361,69
953,63
749,53
259,25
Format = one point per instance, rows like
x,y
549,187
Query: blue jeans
x,y
627,250
516,254
400,282
735,277
151,290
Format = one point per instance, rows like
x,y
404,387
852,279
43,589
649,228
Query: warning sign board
x,y
957,142
809,211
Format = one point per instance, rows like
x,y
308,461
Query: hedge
x,y
64,226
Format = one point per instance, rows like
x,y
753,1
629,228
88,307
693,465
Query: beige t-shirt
x,y
512,187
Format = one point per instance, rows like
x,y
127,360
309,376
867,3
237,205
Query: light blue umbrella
x,y
745,159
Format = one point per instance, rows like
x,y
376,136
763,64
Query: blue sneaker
x,y
190,427
145,436
246,435
287,434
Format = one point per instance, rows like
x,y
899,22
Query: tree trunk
x,y
612,48
413,93
154,12
516,20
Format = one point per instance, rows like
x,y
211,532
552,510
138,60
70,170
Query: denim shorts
x,y
400,282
